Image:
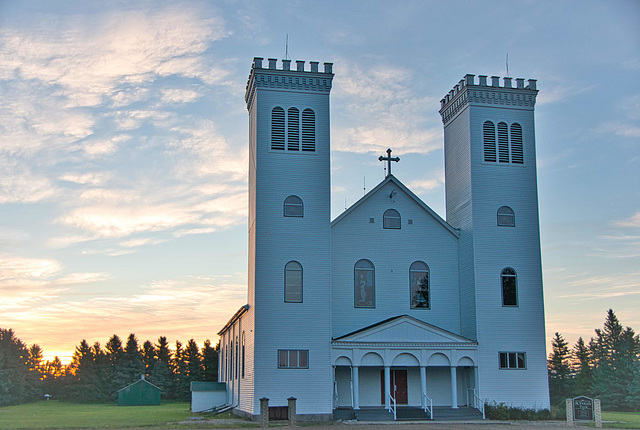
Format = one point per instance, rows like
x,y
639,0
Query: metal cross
x,y
389,159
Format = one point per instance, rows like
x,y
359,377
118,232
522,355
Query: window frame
x,y
503,277
505,360
358,284
512,214
388,218
289,202
413,268
288,358
288,269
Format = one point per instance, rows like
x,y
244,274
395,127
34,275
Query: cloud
x,y
383,104
177,95
86,179
428,184
18,184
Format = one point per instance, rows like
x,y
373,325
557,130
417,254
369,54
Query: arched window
x,y
230,358
517,155
489,137
364,284
509,287
419,285
503,143
308,130
293,282
293,206
506,217
243,352
293,129
391,219
277,128
237,364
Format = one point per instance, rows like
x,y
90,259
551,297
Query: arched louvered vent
x,y
277,128
308,130
503,142
517,155
293,129
489,135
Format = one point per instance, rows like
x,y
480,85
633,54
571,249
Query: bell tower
x,y
492,197
289,236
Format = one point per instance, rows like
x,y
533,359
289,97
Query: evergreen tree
x,y
36,369
179,373
82,374
132,365
559,370
210,361
53,382
615,352
148,357
16,382
161,374
193,361
115,354
102,372
583,373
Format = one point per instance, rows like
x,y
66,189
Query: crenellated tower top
x,y
467,91
298,79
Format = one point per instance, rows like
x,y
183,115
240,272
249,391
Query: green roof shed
x,y
140,393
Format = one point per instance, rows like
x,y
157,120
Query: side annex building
x,y
388,303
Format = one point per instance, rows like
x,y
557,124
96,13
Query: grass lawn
x,y
55,414
621,420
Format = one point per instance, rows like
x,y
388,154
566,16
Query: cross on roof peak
x,y
388,159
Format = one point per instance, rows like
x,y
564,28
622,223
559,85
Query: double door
x,y
398,386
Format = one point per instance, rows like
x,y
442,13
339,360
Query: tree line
x,y
606,367
95,374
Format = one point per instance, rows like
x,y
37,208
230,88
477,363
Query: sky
x,y
124,145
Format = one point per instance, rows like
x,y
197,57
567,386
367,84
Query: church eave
x,y
390,178
421,345
234,318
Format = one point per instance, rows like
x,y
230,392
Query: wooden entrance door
x,y
398,386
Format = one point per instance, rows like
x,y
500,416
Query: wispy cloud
x,y
385,107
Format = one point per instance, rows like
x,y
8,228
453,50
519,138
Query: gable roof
x,y
142,380
391,178
400,329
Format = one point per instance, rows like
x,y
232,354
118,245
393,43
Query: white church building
x,y
389,305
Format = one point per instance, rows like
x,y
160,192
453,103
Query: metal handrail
x,y
478,403
430,407
393,407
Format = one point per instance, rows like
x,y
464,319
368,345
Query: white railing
x,y
476,401
335,394
428,405
393,407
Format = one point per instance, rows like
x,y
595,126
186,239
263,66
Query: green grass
x,y
55,414
621,420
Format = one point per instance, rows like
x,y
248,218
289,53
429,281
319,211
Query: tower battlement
x,y
285,77
467,90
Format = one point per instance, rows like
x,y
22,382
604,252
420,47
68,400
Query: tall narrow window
x,y
293,129
237,357
293,282
364,284
517,155
419,285
308,130
293,206
509,287
489,137
391,219
506,217
243,352
277,128
503,143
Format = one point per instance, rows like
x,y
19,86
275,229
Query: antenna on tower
x,y
507,63
286,48
364,185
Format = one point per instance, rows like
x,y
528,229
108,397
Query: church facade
x,y
388,304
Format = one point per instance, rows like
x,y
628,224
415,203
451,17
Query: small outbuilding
x,y
140,393
206,396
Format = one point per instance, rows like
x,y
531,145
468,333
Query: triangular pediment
x,y
402,329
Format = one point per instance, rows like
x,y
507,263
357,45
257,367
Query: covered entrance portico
x,y
403,361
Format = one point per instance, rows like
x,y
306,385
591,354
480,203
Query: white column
x,y
387,386
356,388
423,385
454,388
